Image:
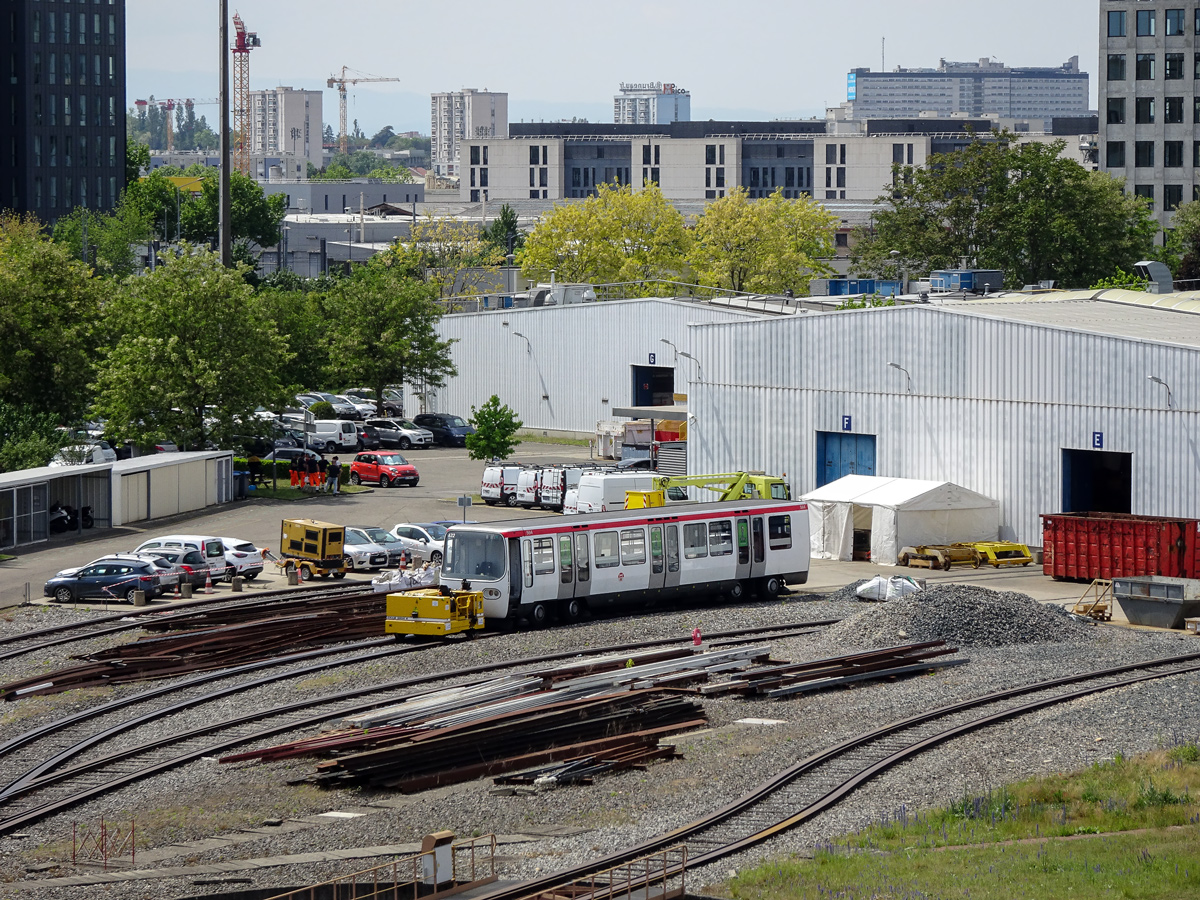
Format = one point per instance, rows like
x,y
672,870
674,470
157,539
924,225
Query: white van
x,y
212,548
529,487
333,435
556,482
499,484
603,492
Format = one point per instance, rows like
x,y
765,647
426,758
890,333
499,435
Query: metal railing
x,y
106,843
472,861
661,875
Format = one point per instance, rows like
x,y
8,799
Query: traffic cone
x,y
208,583
177,592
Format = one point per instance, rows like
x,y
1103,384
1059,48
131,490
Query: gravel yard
x,y
1009,639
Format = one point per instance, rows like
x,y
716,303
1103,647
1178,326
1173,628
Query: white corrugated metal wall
x,y
993,404
576,356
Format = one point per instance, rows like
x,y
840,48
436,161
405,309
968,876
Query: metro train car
x,y
533,568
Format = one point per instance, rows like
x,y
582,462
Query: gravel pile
x,y
719,763
848,594
961,614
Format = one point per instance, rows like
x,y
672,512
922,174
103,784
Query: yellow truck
x,y
313,549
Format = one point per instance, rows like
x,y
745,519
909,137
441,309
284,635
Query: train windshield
x,y
475,555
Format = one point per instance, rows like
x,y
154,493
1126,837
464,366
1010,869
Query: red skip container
x,y
1091,545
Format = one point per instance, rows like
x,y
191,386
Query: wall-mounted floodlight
x,y
528,346
1157,380
893,365
699,368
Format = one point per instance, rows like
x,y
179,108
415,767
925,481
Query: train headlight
x,y
491,594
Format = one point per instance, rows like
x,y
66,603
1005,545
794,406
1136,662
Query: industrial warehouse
x,y
1046,403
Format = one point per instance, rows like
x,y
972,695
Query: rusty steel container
x,y
1090,545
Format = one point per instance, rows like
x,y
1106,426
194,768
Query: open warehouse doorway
x,y
1097,481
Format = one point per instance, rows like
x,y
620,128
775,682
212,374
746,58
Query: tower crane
x,y
243,44
341,82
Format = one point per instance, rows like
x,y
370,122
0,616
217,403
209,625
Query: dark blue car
x,y
450,431
110,578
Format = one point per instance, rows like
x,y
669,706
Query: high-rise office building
x,y
286,122
463,115
651,103
1148,58
62,125
983,88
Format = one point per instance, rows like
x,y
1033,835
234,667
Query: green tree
x,y
322,409
764,246
297,307
255,218
110,238
1121,279
28,437
50,314
137,161
617,235
1018,207
391,174
197,353
446,252
495,430
155,201
381,325
503,229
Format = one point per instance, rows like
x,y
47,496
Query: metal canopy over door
x,y
840,454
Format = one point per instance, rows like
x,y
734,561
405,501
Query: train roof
x,y
671,513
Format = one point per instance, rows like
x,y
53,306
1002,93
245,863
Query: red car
x,y
385,467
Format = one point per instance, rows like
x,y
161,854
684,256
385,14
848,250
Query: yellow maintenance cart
x,y
434,611
978,553
312,549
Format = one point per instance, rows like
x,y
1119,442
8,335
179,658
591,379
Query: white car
x,y
424,541
211,548
365,407
363,553
241,558
84,454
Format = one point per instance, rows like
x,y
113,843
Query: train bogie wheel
x,y
538,615
771,586
572,610
736,590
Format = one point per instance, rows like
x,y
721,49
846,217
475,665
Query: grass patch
x,y
548,439
4,557
320,682
1138,820
287,492
42,704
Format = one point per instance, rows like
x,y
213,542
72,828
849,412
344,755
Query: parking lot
x,y
445,475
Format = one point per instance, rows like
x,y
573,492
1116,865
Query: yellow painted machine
x,y
727,486
313,549
435,612
976,554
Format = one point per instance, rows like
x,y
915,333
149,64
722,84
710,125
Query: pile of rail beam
x,y
216,639
601,714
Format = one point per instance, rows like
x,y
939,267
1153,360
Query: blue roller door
x,y
839,454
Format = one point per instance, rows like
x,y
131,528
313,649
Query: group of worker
x,y
314,472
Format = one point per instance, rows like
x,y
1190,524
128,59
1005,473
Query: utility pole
x,y
225,236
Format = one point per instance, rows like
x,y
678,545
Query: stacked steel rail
x,y
51,785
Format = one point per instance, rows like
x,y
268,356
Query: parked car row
x,y
156,566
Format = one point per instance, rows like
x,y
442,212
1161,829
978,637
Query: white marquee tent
x,y
899,512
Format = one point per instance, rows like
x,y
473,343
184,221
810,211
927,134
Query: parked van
x,y
212,549
599,492
529,486
332,435
500,484
556,482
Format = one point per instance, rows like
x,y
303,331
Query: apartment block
x,y
286,123
62,132
651,103
463,115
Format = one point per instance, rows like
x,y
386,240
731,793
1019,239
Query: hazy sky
x,y
764,60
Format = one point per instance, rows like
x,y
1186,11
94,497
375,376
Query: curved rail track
x,y
50,785
814,785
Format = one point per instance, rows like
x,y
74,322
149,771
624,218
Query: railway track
x,y
52,784
38,640
814,785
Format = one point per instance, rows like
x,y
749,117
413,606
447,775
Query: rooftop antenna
x,y
883,54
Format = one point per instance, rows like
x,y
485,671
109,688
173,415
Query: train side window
x,y
695,541
743,541
633,547
566,562
543,556
760,545
608,550
672,548
779,532
581,557
527,562
720,538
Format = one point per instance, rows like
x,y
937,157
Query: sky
x,y
771,60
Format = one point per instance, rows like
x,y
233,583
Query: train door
x,y
672,541
758,548
658,562
743,549
583,567
566,568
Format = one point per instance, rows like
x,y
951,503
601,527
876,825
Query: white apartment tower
x,y
651,103
464,115
286,122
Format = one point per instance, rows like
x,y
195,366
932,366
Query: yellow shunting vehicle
x,y
312,548
434,611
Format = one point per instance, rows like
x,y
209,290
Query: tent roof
x,y
899,493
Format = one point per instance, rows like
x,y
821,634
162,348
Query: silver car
x,y
362,553
423,541
401,433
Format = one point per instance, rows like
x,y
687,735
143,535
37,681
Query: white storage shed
x,y
898,512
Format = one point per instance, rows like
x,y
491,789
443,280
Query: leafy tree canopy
x,y
28,437
495,430
763,246
1018,207
198,352
503,228
617,235
255,217
50,310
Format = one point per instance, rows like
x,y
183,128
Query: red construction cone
x,y
208,583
